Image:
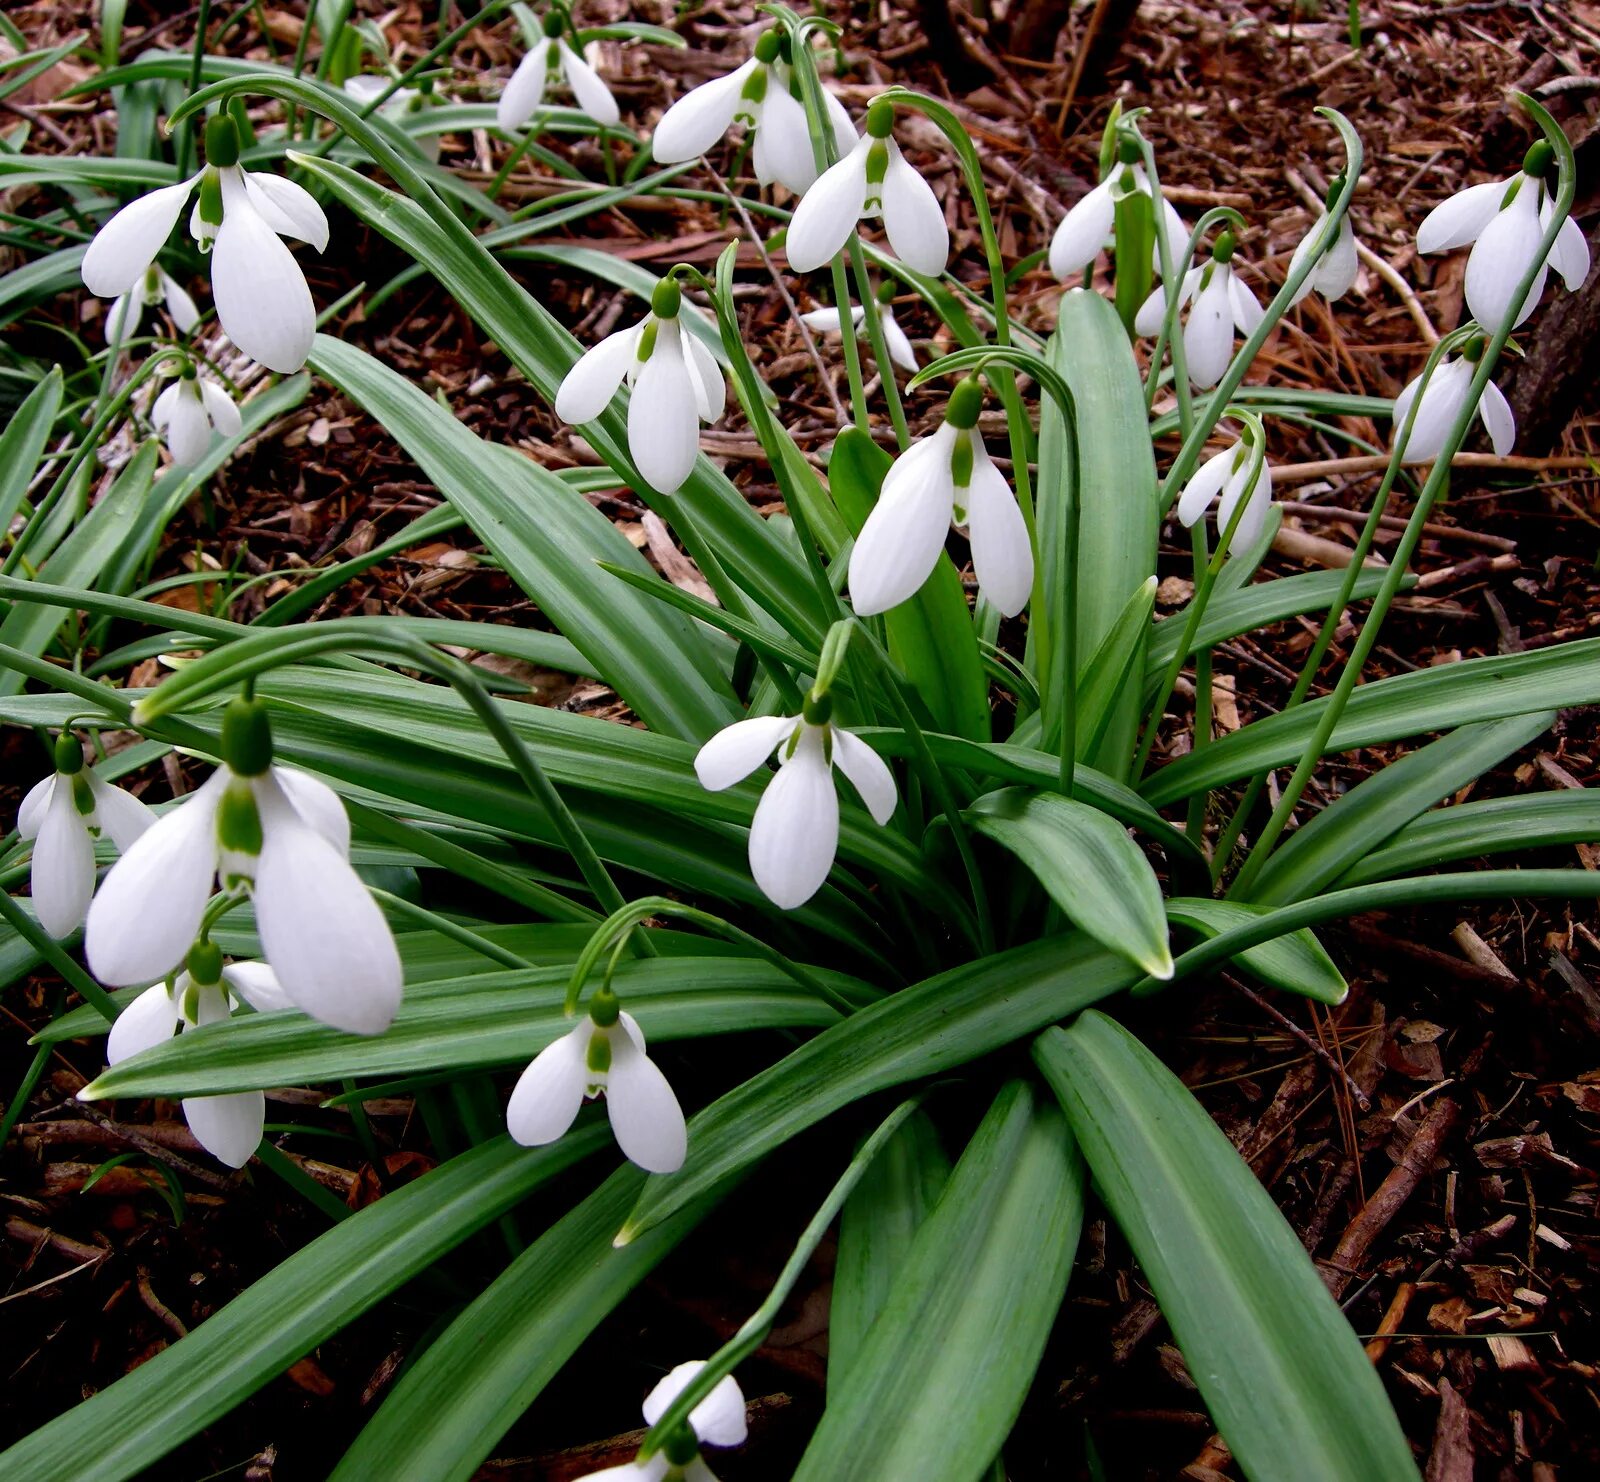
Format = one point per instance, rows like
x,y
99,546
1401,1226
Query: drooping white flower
x,y
63,813
943,479
605,1052
718,1420
157,286
1447,391
1505,220
398,106
550,55
263,304
1228,473
676,383
1218,303
1335,272
827,321
874,179
1088,228
285,836
795,832
757,95
227,1126
189,411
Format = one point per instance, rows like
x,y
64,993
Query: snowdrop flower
x,y
828,321
263,304
399,105
872,180
227,1126
676,386
718,1420
285,836
1447,391
941,479
1228,473
525,92
157,286
1088,227
603,1052
758,96
189,411
63,814
1335,272
795,832
1218,303
1506,220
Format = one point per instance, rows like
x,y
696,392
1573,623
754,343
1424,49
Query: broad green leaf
x,y
1294,962
453,1404
1352,826
300,1303
1491,688
1285,1378
39,281
1088,865
935,1026
23,442
942,1375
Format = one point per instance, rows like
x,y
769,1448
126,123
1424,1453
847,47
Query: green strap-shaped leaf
x,y
1088,865
940,1378
1285,1378
940,1023
1295,962
1118,661
284,1315
23,442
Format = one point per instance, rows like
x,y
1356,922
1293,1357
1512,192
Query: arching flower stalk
x,y
552,57
155,287
63,814
1218,303
189,411
1446,393
874,179
604,1052
398,106
1088,228
1228,473
944,479
1505,221
757,95
205,992
795,833
829,321
283,836
718,1420
676,383
263,304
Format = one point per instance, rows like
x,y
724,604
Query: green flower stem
x,y
1172,283
433,921
875,337
196,65
56,955
753,1332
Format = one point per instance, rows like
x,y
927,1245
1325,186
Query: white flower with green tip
x,y
1335,272
549,57
189,411
1088,228
829,321
156,287
718,1420
1447,391
1218,303
1228,473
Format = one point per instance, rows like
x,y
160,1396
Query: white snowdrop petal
x,y
151,1019
161,409
631,1026
144,917
1301,252
220,408
122,319
62,865
1501,256
869,774
663,420
1002,555
1203,486
844,131
31,814
589,386
698,1471
289,209
257,985
912,217
1154,309
318,804
737,750
1437,411
828,212
826,321
320,929
652,1470
1083,232
549,1092
525,92
1208,332
188,430
1247,310
593,96
127,244
181,307
1498,419
710,390
900,543
229,1126
1460,219
795,832
718,1420
899,346
1570,254
700,117
1177,239
783,139
645,1116
120,815
263,304
1254,518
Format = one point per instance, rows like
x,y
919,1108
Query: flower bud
x,y
880,119
1539,158
246,737
222,141
666,300
818,708
205,962
768,44
965,402
1222,250
604,1008
553,24
69,754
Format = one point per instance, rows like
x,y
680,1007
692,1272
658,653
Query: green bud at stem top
x,y
604,1008
69,754
880,119
222,141
666,300
205,962
1538,159
818,708
681,1447
1334,187
1472,351
553,24
1222,250
246,737
965,403
885,294
768,45
1128,151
